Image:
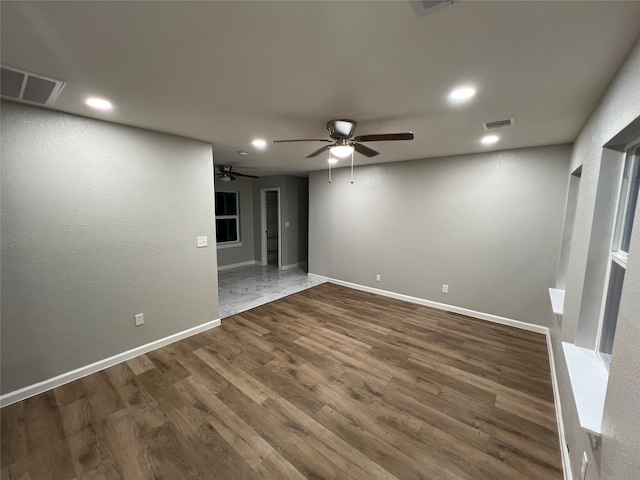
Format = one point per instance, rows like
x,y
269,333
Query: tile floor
x,y
242,288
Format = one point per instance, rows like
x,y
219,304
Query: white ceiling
x,y
227,72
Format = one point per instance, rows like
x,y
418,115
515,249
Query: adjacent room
x,y
320,240
261,230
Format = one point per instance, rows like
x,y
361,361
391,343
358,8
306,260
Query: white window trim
x,y
620,258
620,211
615,254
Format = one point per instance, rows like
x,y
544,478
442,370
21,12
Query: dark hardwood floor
x,y
329,383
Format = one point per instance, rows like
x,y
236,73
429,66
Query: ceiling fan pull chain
x,y
329,169
351,167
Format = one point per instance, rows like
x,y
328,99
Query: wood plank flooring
x,y
329,383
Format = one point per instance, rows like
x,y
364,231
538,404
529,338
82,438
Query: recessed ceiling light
x,y
242,153
489,139
333,160
462,94
259,143
99,103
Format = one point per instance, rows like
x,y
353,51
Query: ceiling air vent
x,y
507,122
29,87
425,7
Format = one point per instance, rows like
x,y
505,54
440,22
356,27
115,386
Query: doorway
x,y
271,238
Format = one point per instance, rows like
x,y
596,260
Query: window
x,y
620,250
227,217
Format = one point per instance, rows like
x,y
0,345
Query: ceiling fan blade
x,y
384,137
303,140
243,175
366,151
319,151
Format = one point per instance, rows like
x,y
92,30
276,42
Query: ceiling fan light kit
x,y
333,161
341,151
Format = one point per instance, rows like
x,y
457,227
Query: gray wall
x,y
619,455
244,252
488,225
99,222
294,209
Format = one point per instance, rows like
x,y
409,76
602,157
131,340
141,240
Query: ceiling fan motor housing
x,y
341,128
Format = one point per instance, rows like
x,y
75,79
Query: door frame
x,y
263,225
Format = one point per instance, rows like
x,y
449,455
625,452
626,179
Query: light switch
x,y
202,242
286,224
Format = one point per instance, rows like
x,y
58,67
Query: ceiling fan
x,y
225,173
343,143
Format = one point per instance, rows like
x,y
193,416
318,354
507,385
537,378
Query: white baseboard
x,y
564,451
236,265
41,387
440,306
293,265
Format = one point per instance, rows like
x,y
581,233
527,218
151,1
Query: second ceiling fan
x,y
227,174
343,142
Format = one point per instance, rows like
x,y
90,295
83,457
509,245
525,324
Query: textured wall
x,y
244,252
99,222
488,225
619,456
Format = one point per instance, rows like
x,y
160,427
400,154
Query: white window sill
x,y
589,384
228,245
557,300
620,258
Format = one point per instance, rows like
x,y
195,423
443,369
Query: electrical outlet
x,y
445,288
202,242
139,319
585,464
377,277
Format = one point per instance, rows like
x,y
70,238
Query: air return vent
x,y
425,7
507,122
29,87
